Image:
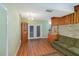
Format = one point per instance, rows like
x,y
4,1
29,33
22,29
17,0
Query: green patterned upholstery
x,y
67,40
67,45
74,50
62,39
70,41
60,44
77,43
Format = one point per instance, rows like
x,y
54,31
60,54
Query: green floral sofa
x,y
67,45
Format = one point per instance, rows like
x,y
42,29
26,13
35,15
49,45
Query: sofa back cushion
x,y
67,40
61,39
70,41
77,43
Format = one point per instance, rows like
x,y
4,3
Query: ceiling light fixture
x,y
30,15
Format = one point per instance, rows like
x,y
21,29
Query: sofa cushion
x,y
70,41
67,40
77,43
74,50
62,39
61,44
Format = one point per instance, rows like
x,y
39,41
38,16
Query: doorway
x,y
34,31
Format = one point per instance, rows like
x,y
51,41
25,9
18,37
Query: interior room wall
x,y
13,30
3,31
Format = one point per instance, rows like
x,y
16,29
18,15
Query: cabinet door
x,y
54,21
67,20
72,20
57,22
78,16
61,21
75,18
76,8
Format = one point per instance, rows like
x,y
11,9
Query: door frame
x,y
34,31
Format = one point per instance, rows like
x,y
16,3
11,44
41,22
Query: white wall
x,y
13,31
3,31
71,30
45,28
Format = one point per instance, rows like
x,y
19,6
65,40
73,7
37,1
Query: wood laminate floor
x,y
40,47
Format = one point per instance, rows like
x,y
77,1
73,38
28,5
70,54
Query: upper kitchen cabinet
x,y
76,8
55,20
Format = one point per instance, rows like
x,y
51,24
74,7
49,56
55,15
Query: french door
x,y
34,31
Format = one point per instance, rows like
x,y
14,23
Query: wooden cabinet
x,y
24,32
65,20
77,16
76,8
72,18
61,21
68,19
55,20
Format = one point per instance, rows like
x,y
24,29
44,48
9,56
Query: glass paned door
x,y
34,31
31,31
38,31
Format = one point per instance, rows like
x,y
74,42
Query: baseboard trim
x,y
39,38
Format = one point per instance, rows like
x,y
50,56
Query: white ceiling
x,y
58,9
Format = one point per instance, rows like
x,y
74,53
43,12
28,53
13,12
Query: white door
x,y
34,31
